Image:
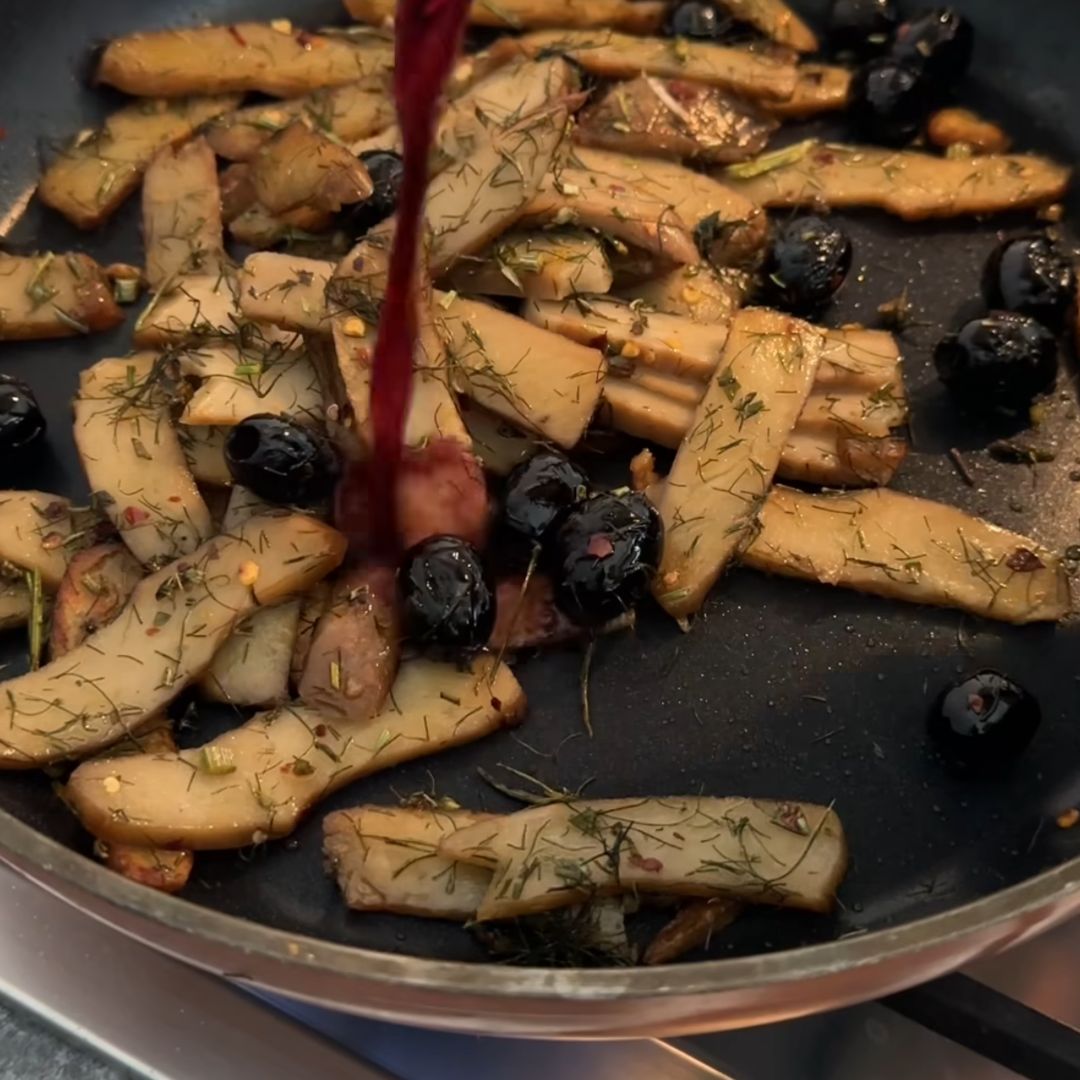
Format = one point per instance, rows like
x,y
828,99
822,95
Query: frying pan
x,y
782,689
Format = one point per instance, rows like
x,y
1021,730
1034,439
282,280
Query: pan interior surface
x,y
782,689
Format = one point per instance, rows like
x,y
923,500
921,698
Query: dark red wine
x,y
428,34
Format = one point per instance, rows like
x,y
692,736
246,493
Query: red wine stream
x,y
427,37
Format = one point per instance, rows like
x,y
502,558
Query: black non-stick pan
x,y
781,689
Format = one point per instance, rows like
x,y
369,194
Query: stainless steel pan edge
x,y
713,995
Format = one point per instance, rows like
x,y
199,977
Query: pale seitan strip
x,y
130,451
181,214
386,858
40,532
635,16
90,179
821,88
530,376
54,296
354,111
286,291
758,850
912,185
257,781
905,548
725,465
753,75
163,639
242,57
698,292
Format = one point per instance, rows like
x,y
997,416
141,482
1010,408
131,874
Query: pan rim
x,y
244,937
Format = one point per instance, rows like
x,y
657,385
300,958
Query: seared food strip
x,y
757,850
243,379
98,584
54,296
40,532
286,291
692,927
528,375
301,167
469,205
350,112
252,667
131,452
204,451
698,292
353,657
636,16
90,179
727,461
674,118
829,454
896,545
240,58
821,88
631,335
912,185
658,205
257,781
182,230
776,20
386,858
756,76
536,265
95,588
163,640
188,309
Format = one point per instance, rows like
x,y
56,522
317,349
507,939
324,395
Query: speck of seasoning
x,y
354,327
282,26
1068,818
111,784
259,837
249,573
292,949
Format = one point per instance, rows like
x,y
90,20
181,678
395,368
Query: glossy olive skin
x,y
281,461
604,557
386,170
862,27
890,102
998,363
698,20
539,492
1030,275
940,41
448,599
807,261
22,425
983,722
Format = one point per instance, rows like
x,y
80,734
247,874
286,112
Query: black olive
x,y
539,492
604,556
281,461
1030,275
447,597
983,722
998,363
862,27
940,41
386,170
889,102
694,19
22,426
807,261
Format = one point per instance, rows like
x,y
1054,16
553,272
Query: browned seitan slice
x,y
54,296
896,545
910,184
90,179
820,88
634,16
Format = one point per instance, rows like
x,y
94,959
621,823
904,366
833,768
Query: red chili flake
x,y
790,816
681,90
617,189
599,342
3,133
650,865
55,510
175,498
51,541
496,704
977,704
306,40
825,157
237,36
153,631
1024,561
287,767
320,730
599,546
135,515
